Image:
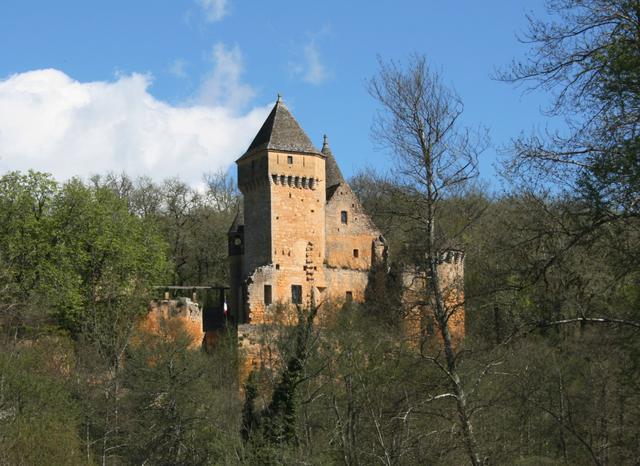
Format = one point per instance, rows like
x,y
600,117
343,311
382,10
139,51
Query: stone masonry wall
x,y
419,321
168,316
257,236
254,352
451,274
340,281
297,216
355,237
295,210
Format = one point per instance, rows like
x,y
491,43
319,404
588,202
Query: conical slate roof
x,y
281,131
333,173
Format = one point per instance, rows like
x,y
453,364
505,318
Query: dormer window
x,y
343,217
290,159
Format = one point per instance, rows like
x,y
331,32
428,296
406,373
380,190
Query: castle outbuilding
x,y
301,236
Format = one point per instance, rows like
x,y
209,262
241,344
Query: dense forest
x,y
548,372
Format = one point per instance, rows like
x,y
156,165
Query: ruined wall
x,y
251,348
280,282
346,240
420,324
255,305
259,349
451,275
169,316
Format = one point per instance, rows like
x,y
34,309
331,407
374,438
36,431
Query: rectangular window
x,y
343,217
349,296
268,298
296,294
290,159
356,253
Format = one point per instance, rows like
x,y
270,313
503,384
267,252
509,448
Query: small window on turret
x,y
356,253
349,296
290,159
343,217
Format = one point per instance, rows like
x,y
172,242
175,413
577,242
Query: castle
x,y
302,236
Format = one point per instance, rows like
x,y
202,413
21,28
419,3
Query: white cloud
x,y
223,85
214,10
311,68
50,122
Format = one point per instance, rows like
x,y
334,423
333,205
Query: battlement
x,y
452,256
273,168
295,181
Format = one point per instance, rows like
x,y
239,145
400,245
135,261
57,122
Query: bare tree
x,y
587,54
586,177
434,160
222,193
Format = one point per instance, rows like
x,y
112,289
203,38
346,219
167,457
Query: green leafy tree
x,y
181,404
39,419
27,247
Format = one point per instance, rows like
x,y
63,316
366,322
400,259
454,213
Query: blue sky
x,y
180,87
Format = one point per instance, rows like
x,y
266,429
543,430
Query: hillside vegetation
x,y
548,372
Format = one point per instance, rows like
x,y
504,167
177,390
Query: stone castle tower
x,y
302,236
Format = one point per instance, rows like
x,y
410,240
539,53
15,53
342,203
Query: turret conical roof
x,y
333,173
281,131
238,221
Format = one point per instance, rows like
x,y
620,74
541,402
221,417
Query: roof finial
x,y
325,144
279,98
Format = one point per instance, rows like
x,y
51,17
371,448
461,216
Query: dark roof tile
x,y
281,131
